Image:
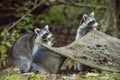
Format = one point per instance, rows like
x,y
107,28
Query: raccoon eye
x,y
45,35
91,23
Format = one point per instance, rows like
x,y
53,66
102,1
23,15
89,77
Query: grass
x,y
11,74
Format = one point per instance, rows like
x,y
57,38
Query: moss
x,y
6,75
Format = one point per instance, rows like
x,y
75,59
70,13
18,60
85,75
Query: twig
x,y
13,25
2,6
79,5
35,2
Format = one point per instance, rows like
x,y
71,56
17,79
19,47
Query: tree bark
x,y
95,49
111,20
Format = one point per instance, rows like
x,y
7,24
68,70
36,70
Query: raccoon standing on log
x,y
87,23
30,56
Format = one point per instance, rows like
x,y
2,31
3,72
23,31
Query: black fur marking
x,y
45,35
90,23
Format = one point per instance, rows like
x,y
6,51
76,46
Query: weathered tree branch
x,y
80,5
96,50
14,24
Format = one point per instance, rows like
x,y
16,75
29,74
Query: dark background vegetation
x,y
21,16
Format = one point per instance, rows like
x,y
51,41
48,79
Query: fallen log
x,y
95,49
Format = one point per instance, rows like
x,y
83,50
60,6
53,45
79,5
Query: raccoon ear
x,y
92,14
47,27
85,16
37,31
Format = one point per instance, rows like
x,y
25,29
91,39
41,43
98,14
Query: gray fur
x,y
30,56
52,61
22,51
87,24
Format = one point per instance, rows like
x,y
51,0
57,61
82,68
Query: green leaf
x,y
2,49
8,44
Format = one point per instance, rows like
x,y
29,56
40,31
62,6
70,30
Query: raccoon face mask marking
x,y
89,21
43,35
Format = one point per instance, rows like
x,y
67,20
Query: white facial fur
x,y
43,32
39,38
82,28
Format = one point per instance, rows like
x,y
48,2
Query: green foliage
x,y
54,17
25,7
5,43
8,37
33,76
25,24
59,15
3,51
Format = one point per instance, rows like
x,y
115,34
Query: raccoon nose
x,y
36,71
96,24
50,37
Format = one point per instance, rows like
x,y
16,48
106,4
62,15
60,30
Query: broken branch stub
x,y
95,49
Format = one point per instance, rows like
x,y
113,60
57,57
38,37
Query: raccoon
x,y
30,56
49,61
87,23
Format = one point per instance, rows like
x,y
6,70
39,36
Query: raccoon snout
x,y
95,24
50,38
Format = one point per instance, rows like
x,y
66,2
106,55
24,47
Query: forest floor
x,y
14,74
